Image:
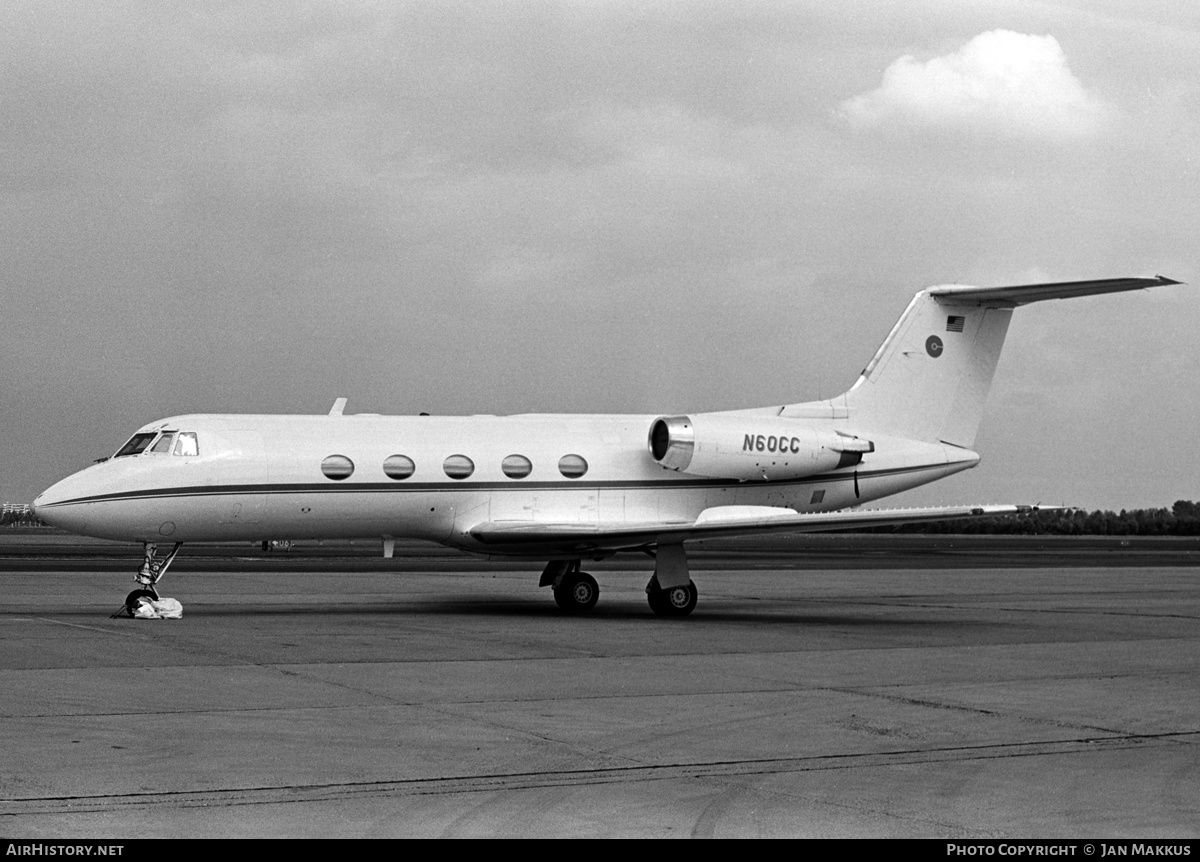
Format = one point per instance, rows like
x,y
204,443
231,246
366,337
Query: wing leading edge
x,y
526,537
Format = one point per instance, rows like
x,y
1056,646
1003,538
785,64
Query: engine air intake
x,y
672,441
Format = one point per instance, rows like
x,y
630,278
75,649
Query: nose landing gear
x,y
148,575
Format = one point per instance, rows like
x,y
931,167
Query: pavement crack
x,y
274,794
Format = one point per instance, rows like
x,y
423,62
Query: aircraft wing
x,y
527,537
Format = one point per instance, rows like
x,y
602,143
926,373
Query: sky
x,y
602,207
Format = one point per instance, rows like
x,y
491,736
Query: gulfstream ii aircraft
x,y
569,488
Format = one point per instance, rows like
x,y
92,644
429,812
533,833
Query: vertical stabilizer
x,y
930,378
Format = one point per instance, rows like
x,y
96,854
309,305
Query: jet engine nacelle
x,y
750,448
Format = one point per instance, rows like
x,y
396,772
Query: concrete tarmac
x,y
957,703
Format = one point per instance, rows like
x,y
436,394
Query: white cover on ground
x,y
163,609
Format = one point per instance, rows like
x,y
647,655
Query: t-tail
x,y
930,378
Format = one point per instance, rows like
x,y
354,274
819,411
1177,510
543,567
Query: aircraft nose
x,y
43,506
54,495
43,499
54,506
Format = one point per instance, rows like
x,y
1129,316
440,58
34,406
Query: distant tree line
x,y
1182,519
19,515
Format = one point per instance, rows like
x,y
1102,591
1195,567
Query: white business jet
x,y
569,488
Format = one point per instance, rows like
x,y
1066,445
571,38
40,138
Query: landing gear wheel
x,y
654,597
674,602
131,600
577,592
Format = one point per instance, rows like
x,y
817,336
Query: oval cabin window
x,y
337,467
516,466
399,467
572,466
458,466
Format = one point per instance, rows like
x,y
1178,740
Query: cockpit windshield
x,y
136,445
165,443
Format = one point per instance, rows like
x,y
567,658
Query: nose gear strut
x,y
152,570
148,575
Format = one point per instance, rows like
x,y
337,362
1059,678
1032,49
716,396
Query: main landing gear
x,y
672,602
149,574
575,592
670,592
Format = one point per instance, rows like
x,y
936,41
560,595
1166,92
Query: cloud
x,y
1000,82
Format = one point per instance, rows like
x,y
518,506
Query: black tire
x,y
577,593
131,600
675,602
654,597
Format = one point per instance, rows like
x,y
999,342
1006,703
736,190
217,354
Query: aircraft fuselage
x,y
435,477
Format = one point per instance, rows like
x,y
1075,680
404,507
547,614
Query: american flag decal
x,y
954,323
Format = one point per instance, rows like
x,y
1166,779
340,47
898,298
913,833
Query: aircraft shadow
x,y
547,611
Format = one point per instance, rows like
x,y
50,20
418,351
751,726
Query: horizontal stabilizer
x,y
1022,294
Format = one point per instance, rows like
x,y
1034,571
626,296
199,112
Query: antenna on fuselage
x,y
338,406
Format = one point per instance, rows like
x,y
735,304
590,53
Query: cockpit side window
x,y
187,444
162,446
137,443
